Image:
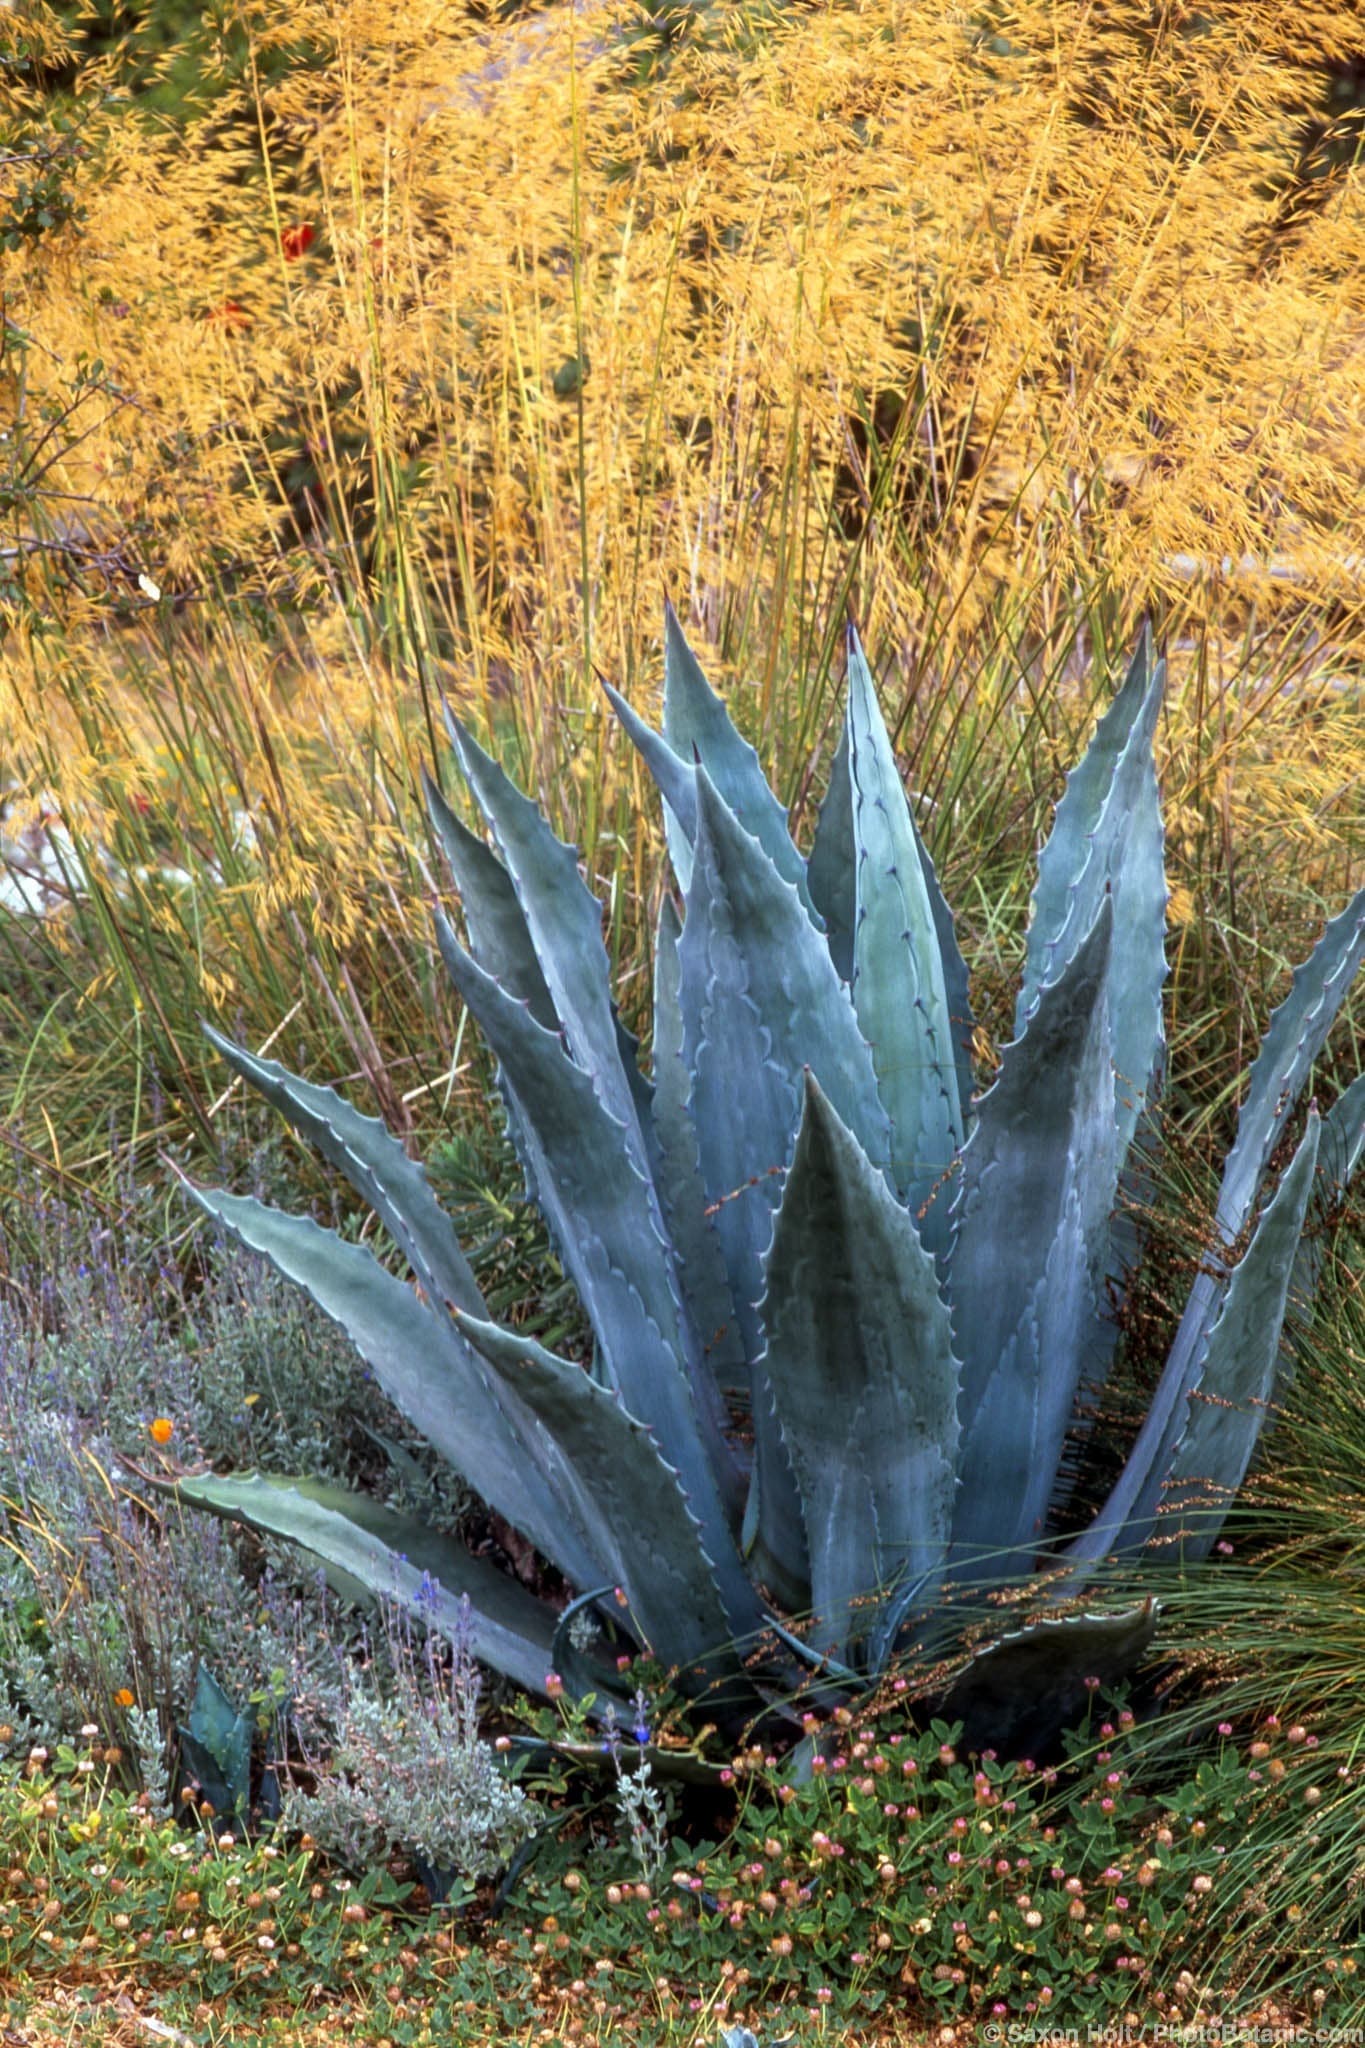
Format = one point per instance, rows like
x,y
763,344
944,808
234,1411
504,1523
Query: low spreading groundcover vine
x,y
906,1879
903,1883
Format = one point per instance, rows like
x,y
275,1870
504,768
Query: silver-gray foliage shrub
x,y
407,1770
105,1590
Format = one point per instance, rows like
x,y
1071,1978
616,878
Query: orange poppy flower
x,y
161,1430
296,241
124,1698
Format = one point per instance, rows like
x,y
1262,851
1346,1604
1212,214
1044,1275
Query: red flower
x,y
296,241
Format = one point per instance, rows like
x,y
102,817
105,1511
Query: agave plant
x,y
847,1311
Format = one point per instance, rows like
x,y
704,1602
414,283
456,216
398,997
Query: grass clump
x,y
1269,1637
973,331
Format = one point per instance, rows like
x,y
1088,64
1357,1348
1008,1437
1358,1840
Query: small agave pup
x,y
845,1309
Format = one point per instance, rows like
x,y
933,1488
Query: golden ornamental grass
x,y
1005,325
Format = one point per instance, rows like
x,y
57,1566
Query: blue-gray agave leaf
x,y
730,761
390,1556
899,988
1343,1139
419,1358
600,1207
1297,1032
499,936
863,1380
1106,840
961,1022
564,920
700,1260
376,1165
832,870
605,1218
1295,1037
675,779
1015,1694
627,1495
698,727
215,1749
1236,1378
641,1090
1127,861
1079,815
1029,1259
1339,1154
760,1002
833,878
741,2037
